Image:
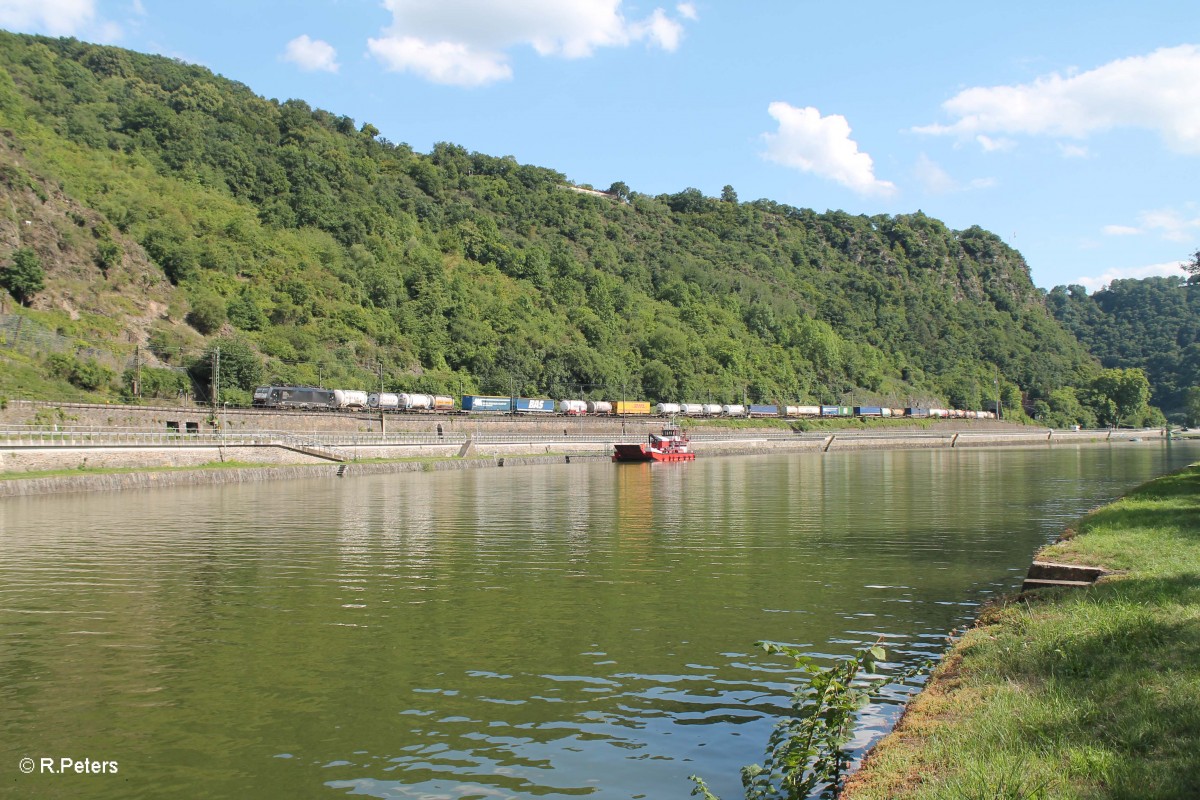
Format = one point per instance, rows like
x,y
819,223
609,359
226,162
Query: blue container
x,y
830,411
477,403
528,405
916,412
868,411
764,411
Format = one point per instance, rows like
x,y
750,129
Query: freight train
x,y
314,399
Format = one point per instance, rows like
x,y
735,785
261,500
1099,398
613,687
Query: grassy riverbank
x,y
1084,693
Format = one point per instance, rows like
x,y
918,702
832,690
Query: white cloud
x,y
1170,224
52,17
466,42
1069,150
822,146
1159,91
936,180
991,145
311,55
1094,283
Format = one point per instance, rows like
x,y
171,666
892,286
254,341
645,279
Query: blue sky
x,y
1070,129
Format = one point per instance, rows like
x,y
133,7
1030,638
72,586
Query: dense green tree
x,y
236,362
23,276
1118,394
1192,407
1152,324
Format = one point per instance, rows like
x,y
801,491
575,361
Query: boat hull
x,y
631,452
639,452
656,456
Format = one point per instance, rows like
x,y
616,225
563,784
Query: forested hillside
x,y
1152,323
154,210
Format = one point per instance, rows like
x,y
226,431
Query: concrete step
x,y
1045,583
1048,570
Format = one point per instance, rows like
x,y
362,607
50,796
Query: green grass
x,y
1090,693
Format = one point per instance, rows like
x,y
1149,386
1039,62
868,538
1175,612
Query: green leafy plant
x,y
807,749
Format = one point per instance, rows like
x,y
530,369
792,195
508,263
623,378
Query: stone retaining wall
x,y
439,456
208,477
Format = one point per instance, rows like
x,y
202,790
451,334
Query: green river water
x,y
550,631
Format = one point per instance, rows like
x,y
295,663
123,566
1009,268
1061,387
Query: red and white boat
x,y
670,445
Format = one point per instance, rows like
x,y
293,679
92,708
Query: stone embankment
x,y
84,482
167,446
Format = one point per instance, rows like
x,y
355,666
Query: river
x,y
583,630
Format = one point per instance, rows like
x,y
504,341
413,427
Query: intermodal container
x,y
712,408
804,411
349,398
574,408
916,412
416,402
868,411
764,411
477,403
535,405
733,410
831,411
599,407
443,402
631,407
384,401
691,408
845,411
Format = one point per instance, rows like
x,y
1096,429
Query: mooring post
x,y
954,440
828,443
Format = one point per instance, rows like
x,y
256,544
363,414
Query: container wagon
x,y
482,403
383,401
534,405
624,407
573,408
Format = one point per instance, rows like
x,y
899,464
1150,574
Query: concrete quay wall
x,y
360,459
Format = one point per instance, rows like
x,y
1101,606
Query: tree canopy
x,y
329,251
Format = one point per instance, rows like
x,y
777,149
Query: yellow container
x,y
622,407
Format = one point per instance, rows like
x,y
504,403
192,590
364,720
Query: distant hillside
x,y
1152,323
172,210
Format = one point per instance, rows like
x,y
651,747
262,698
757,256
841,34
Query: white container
x,y
691,408
599,407
804,411
349,398
667,408
416,402
575,408
385,401
712,408
733,410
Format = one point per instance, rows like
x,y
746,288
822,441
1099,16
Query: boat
x,y
670,445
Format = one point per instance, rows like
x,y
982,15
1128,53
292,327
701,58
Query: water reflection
x,y
499,633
